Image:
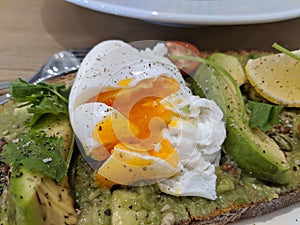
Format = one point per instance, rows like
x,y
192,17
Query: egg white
x,y
84,118
112,61
197,138
199,130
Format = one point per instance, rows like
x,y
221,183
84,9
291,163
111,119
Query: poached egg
x,y
132,111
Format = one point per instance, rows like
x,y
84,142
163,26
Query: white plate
x,y
198,12
286,216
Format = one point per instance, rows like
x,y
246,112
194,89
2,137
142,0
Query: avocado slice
x,y
34,199
254,151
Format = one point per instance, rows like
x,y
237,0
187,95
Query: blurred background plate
x,y
198,12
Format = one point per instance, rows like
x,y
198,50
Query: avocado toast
x,y
240,195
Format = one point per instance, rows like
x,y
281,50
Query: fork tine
x,y
80,53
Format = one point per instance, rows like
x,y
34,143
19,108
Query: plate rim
x,y
185,19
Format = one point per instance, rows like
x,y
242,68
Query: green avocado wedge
x,y
255,152
35,200
32,198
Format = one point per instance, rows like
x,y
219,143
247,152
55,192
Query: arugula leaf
x,y
43,98
263,115
45,150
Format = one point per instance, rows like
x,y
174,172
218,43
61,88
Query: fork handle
x,y
4,85
37,77
4,98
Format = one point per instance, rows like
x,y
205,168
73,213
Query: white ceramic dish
x,y
286,216
198,12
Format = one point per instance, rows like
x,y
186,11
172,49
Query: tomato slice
x,y
182,48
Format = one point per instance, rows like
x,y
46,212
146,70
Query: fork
x,y
61,63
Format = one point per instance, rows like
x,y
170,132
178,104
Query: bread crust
x,y
230,215
67,79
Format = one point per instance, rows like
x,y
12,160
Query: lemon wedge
x,y
276,77
232,65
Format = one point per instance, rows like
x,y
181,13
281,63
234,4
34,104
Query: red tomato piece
x,y
181,48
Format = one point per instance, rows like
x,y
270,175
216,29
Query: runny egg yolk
x,y
138,125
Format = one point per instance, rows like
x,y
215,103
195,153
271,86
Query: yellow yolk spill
x,y
144,116
138,126
166,152
106,130
103,182
125,82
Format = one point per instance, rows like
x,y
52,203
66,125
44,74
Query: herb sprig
x,y
285,51
43,98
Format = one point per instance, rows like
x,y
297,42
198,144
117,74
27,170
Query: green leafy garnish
x,y
263,115
46,152
43,98
36,150
285,51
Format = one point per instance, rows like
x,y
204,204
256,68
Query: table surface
x,y
33,30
